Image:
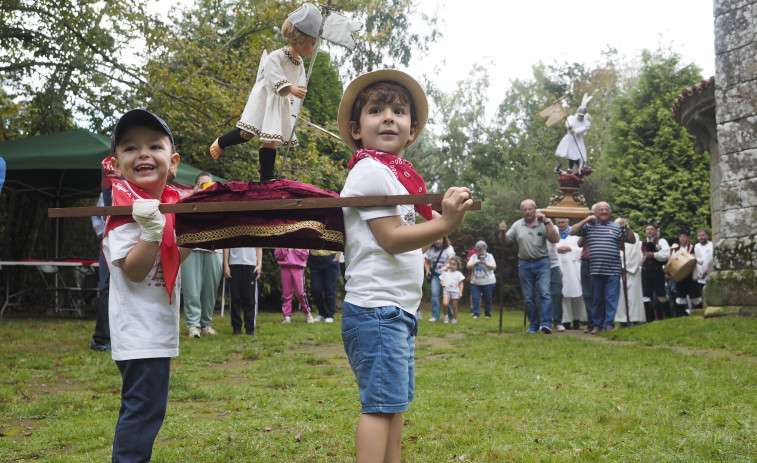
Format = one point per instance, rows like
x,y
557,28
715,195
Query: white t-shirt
x,y
482,275
451,281
142,322
440,257
243,256
375,278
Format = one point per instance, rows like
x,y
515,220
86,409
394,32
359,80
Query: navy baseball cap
x,y
141,118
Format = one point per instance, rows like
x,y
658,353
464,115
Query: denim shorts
x,y
380,345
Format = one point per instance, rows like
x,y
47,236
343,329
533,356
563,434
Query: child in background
x,y
144,263
293,263
268,112
452,282
380,115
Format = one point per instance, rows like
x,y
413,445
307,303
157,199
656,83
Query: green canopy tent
x,y
65,166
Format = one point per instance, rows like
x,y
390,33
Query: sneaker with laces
x,y
208,330
446,319
194,332
454,321
309,318
287,320
319,318
432,319
236,331
546,330
329,320
251,333
560,327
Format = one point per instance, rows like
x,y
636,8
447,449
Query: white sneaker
x,y
418,315
319,318
194,332
208,330
309,318
560,327
328,320
432,319
454,321
287,320
446,319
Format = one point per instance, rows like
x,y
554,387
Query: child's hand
x,y
456,201
298,91
145,212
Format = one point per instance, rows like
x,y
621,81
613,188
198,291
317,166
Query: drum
x,y
680,265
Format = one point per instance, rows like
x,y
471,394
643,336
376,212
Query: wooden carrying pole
x,y
262,205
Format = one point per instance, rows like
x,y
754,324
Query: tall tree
x,y
655,172
394,30
71,59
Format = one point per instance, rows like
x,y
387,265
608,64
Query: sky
x,y
508,37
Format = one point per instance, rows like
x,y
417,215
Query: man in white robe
x,y
569,253
632,268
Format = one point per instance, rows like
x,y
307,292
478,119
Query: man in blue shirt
x,y
604,239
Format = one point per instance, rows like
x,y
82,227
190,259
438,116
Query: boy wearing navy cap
x,y
144,261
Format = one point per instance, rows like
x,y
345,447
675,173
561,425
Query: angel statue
x,y
572,144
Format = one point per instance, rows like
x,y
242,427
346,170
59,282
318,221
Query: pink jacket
x,y
291,257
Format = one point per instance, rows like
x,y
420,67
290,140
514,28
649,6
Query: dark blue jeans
x,y
477,291
588,293
144,398
606,292
324,274
535,278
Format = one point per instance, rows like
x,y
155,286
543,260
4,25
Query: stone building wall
x,y
734,166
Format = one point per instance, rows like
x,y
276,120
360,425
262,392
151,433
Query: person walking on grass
x,y
531,234
452,281
143,258
482,280
604,238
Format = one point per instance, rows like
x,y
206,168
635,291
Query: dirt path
x,y
710,353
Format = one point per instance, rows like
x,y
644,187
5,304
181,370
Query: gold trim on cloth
x,y
280,84
291,57
259,230
266,136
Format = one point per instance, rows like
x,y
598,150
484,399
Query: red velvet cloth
x,y
124,194
278,228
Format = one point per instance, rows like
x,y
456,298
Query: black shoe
x,y
236,331
250,333
99,347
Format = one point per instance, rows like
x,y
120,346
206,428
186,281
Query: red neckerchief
x,y
124,194
403,170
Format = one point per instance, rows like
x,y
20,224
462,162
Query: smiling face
x,y
144,157
602,211
384,127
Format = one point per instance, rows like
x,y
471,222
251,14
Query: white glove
x,y
146,213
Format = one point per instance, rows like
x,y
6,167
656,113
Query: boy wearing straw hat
x,y
380,115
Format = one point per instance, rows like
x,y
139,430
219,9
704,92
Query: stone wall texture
x,y
734,174
732,287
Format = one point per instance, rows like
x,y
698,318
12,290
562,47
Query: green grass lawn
x,y
679,390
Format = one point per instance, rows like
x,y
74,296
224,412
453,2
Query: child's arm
x,y
396,238
140,260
